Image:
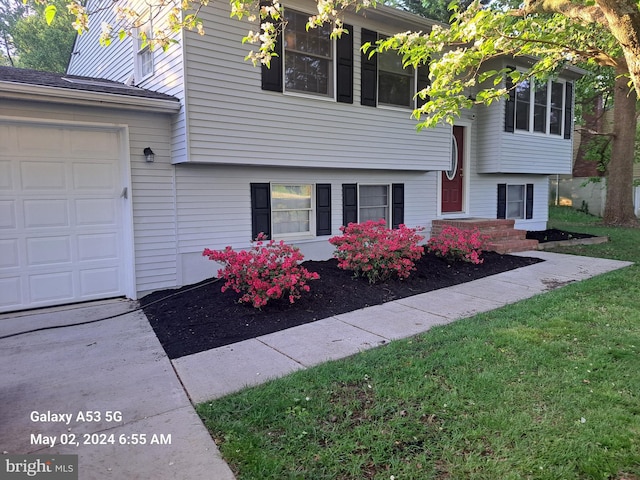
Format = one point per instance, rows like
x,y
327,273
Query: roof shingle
x,y
74,82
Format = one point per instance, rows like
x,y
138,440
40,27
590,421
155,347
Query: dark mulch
x,y
195,319
555,235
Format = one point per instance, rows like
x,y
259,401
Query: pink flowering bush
x,y
266,271
376,252
456,244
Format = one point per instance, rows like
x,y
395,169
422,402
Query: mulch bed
x,y
199,317
555,235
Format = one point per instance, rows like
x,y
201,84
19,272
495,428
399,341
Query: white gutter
x,y
43,93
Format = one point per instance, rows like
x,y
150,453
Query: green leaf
x,y
50,13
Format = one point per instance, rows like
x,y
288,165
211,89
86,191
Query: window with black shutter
x,y
306,63
344,72
423,82
260,210
364,202
369,74
529,201
568,110
515,201
510,107
323,209
397,202
272,74
502,201
349,203
290,210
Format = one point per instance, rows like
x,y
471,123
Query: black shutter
x,y
323,209
344,48
568,110
369,74
397,203
529,201
510,107
423,82
272,75
502,200
260,209
349,203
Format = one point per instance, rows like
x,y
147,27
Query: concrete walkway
x,y
118,366
218,372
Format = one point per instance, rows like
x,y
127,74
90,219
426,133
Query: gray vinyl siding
x,y
482,188
152,191
116,62
233,121
214,210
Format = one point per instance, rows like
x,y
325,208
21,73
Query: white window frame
x,y
143,54
331,87
533,87
522,201
312,210
387,206
412,97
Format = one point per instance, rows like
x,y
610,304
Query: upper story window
x,y
396,84
143,59
385,81
540,107
308,56
310,62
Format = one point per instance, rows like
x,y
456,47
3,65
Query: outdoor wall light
x,y
149,156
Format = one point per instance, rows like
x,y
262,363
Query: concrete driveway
x,y
55,383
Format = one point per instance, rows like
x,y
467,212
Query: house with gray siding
x,y
322,138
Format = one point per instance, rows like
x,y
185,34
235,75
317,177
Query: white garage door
x,y
61,215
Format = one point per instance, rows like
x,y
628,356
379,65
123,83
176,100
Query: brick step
x,y
511,246
479,223
501,236
492,234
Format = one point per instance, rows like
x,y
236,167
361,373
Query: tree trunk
x,y
623,18
619,202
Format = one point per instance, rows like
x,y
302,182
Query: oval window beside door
x,y
451,173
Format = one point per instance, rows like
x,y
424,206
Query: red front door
x,y
452,179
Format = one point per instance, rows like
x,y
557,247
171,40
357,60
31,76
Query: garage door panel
x,y
97,247
9,256
96,211
48,250
8,214
51,287
46,213
10,292
93,177
43,176
93,144
99,281
41,141
6,175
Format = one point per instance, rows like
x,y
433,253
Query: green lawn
x,y
548,388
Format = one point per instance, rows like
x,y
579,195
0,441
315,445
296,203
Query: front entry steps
x,y
501,234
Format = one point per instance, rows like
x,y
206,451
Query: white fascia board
x,y
22,91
